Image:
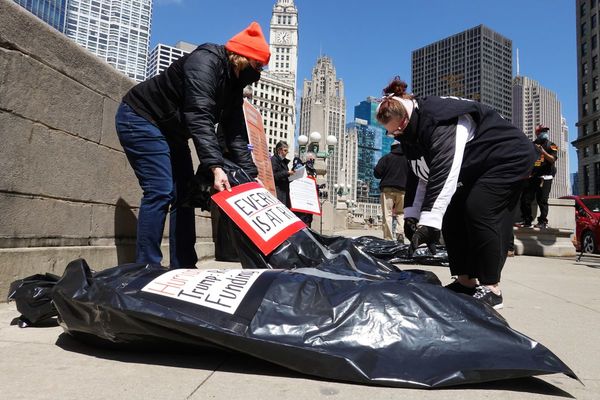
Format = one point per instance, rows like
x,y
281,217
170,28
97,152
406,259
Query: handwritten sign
x,y
221,290
260,150
259,214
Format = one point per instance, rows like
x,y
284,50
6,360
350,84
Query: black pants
x,y
539,189
477,229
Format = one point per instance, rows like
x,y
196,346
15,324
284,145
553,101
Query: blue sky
x,y
371,41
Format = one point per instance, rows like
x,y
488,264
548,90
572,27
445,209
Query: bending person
x,y
158,116
468,164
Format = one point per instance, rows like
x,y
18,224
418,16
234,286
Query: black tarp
x,y
304,248
395,329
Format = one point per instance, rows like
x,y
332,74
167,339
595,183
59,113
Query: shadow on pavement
x,y
216,359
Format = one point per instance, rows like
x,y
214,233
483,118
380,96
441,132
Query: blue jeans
x,y
163,167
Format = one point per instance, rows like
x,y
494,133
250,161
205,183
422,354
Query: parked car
x,y
587,221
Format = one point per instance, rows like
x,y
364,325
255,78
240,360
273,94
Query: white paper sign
x,y
221,290
304,196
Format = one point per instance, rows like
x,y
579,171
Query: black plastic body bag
x,y
340,314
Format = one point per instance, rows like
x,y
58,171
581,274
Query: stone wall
x,y
66,188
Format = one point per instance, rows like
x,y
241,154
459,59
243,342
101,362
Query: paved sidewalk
x,y
555,301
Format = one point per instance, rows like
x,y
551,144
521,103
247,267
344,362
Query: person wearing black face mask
x,y
156,119
539,184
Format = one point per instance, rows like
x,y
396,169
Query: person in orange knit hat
x,y
157,117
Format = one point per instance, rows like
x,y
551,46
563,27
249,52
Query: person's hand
x,y
424,234
221,182
410,227
290,173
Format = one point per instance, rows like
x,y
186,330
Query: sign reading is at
x,y
259,214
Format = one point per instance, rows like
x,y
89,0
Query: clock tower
x,y
284,42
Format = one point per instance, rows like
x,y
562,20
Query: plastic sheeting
x,y
394,329
304,248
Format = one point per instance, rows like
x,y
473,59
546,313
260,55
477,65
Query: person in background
x,y
538,186
391,169
308,162
281,172
462,182
156,119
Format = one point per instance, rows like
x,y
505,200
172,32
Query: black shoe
x,y
485,294
460,288
541,225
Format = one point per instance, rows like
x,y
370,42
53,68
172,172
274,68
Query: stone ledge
x,y
549,242
17,263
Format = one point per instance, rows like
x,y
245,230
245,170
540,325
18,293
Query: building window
x,y
584,68
583,28
586,179
585,109
582,9
584,130
584,89
594,41
595,104
597,177
594,21
583,49
597,148
586,152
594,62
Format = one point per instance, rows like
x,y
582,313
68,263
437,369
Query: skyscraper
x,y
275,94
588,76
117,31
372,145
474,64
275,99
284,42
323,110
534,104
53,12
163,55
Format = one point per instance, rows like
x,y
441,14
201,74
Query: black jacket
x,y
190,97
542,166
281,172
450,140
392,169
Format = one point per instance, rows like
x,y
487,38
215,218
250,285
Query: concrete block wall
x,y
66,188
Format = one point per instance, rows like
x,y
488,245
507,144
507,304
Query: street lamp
x,y
331,142
302,142
314,139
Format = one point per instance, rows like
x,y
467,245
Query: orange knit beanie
x,y
250,43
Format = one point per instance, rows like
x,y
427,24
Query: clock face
x,y
283,38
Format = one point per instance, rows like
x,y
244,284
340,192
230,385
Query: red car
x,y
587,219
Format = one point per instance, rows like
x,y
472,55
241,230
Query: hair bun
x,y
397,87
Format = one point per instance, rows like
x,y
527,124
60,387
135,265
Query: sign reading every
x,y
259,214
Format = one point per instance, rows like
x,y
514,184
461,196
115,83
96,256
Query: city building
x,y
370,151
534,104
588,86
275,99
474,64
52,12
117,31
323,110
284,42
163,55
275,94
